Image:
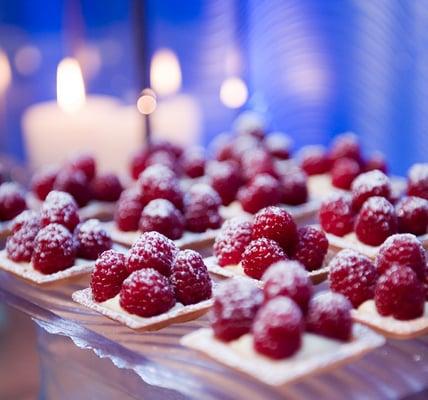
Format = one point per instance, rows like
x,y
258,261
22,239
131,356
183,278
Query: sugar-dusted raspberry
x,y
152,250
242,145
277,224
163,145
329,315
43,181
294,189
236,302
278,328
138,163
345,145
262,191
353,275
54,249
250,123
106,187
288,278
128,210
404,250
314,160
376,221
20,246
417,181
190,278
257,162
108,275
369,184
59,208
27,219
400,293
412,215
259,255
279,144
164,158
162,216
376,161
336,214
343,172
201,208
311,247
193,162
75,182
230,243
12,200
146,293
225,178
221,146
86,164
91,239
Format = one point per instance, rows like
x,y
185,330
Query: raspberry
x,y
221,147
353,275
344,171
75,182
42,182
417,181
106,187
262,191
278,328
251,124
400,293
257,162
369,184
20,245
376,161
314,160
12,201
225,179
146,293
236,303
412,215
336,215
202,204
230,243
277,224
404,250
329,315
138,163
163,145
28,219
152,250
242,145
86,164
59,208
91,239
259,255
288,278
278,144
311,247
54,249
161,157
108,275
346,145
294,187
160,215
376,221
190,278
193,162
128,210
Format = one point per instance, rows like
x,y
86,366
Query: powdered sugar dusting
x,y
370,180
418,173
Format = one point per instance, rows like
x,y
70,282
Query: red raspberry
x,y
376,221
108,275
86,164
128,210
12,201
20,246
160,215
202,204
376,161
146,293
329,315
54,249
346,145
161,157
138,163
92,239
106,187
242,145
221,147
369,184
294,187
262,191
311,247
230,243
190,278
417,181
257,162
336,215
193,162
28,219
259,255
163,145
277,224
353,275
236,303
344,171
278,328
152,250
75,182
278,145
412,215
43,181
314,160
249,123
288,278
225,179
59,208
400,293
404,250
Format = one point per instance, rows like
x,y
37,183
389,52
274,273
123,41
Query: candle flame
x,y
233,92
5,72
165,72
69,85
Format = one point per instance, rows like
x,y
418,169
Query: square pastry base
x,y
316,354
389,326
112,310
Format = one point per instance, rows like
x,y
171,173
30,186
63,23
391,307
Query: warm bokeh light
x,y
233,92
70,88
28,60
165,72
5,72
146,103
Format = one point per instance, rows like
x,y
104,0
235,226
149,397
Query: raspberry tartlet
x,y
152,286
12,203
274,340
